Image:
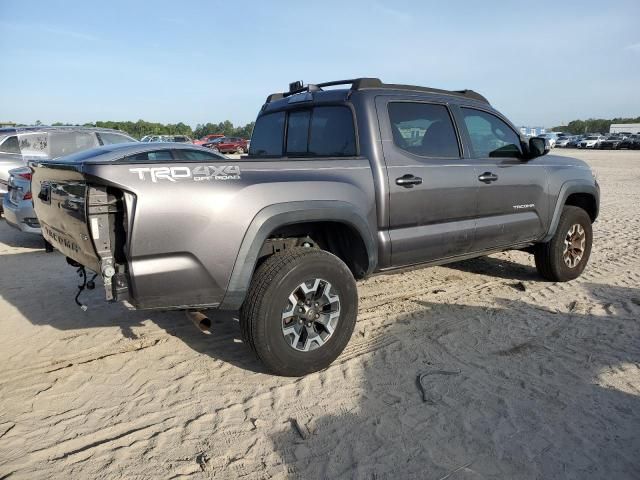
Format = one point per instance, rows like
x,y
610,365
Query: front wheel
x,y
565,256
300,311
240,150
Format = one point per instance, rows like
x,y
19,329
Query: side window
x,y
332,132
490,136
34,144
196,155
157,156
108,138
268,135
65,143
423,129
10,145
298,132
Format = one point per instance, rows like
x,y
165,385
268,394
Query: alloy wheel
x,y
311,315
574,245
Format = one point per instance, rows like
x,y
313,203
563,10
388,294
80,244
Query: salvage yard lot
x,y
544,383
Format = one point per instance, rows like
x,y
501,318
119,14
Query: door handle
x,y
408,181
488,177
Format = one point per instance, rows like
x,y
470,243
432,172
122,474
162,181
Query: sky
x,y
541,63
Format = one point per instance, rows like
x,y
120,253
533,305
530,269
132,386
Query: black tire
x,y
549,256
261,315
240,150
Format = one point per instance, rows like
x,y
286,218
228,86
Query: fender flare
x,y
279,215
568,188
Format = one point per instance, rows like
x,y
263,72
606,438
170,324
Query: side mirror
x,y
538,146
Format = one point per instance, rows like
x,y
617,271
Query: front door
x,y
512,203
432,189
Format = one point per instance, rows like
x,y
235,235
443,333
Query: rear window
x,y
108,138
315,132
196,155
268,133
298,133
332,132
156,156
10,145
61,144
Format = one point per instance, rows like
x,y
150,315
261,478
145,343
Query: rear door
x,y
511,192
432,189
224,145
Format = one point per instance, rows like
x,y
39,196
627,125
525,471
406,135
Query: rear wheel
x,y
240,150
300,311
565,256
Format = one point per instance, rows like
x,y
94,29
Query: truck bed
x,y
168,234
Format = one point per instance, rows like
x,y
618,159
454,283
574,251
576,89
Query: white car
x,y
552,138
591,141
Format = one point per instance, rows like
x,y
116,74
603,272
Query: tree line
x,y
141,128
592,125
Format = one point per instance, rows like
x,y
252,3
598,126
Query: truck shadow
x,y
497,267
531,392
42,287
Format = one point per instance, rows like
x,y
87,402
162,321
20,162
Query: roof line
x,y
366,83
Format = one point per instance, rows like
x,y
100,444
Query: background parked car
x,y
631,142
208,138
155,138
181,139
592,141
551,138
573,143
612,142
19,145
564,140
229,145
166,138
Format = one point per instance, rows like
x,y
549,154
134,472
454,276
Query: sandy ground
x,y
548,383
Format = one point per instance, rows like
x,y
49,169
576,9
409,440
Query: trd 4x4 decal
x,y
197,174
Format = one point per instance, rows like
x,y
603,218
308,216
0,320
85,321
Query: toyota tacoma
x,y
339,184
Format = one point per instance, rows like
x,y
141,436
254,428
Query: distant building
x,y
532,131
624,127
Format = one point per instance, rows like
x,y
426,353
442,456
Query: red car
x,y
208,138
229,145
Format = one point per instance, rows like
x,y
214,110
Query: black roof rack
x,y
371,83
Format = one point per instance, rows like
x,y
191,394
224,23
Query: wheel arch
x,y
578,194
279,217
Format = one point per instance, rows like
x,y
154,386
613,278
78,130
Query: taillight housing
x,y
26,176
27,196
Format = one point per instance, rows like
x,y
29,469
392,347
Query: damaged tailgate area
x,y
86,222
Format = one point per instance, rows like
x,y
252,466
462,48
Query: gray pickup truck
x,y
339,184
